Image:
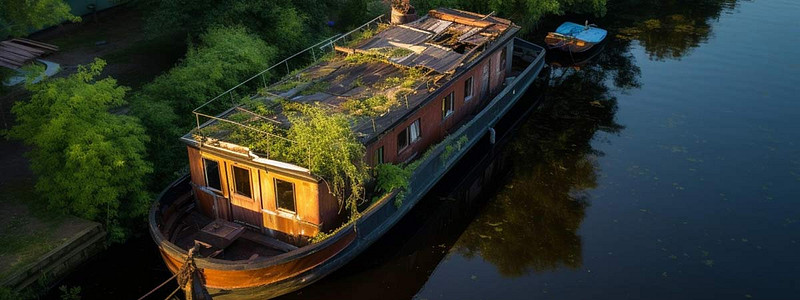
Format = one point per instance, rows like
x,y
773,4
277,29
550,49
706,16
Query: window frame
x,y
205,174
277,200
249,182
406,135
471,89
402,136
379,156
450,98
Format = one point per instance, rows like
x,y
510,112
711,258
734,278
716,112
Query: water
x,y
690,189
666,166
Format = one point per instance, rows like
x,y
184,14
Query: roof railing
x,y
249,88
282,68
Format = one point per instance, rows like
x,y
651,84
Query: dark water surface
x,y
681,182
665,166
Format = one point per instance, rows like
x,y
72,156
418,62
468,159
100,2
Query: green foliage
x,y
325,144
88,162
67,293
390,177
524,12
316,87
451,148
373,106
18,18
289,24
225,56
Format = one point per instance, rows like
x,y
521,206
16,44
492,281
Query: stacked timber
x,y
15,53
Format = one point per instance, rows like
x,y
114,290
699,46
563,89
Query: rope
x,y
158,287
184,274
173,293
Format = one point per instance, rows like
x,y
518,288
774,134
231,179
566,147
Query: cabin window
x,y
212,174
409,135
284,194
448,106
379,156
468,89
413,132
402,140
241,180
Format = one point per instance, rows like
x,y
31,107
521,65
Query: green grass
x,y
29,234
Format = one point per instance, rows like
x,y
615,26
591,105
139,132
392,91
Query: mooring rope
x,y
185,273
158,287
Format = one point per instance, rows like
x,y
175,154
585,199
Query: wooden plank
x,y
8,65
23,47
16,57
46,46
344,49
12,49
8,61
459,19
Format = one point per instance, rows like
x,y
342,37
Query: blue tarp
x,y
590,34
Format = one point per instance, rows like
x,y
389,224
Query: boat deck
x,y
244,243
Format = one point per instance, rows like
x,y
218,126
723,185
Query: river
x,y
665,165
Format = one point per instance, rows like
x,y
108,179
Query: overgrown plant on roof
x,y
325,144
318,139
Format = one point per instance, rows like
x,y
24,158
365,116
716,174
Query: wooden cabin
x,y
466,58
280,200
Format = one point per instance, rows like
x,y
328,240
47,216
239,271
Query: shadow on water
x,y
399,263
531,223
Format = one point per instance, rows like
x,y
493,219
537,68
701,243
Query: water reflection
x,y
667,29
532,223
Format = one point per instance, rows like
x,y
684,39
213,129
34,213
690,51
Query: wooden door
x,y
485,80
244,195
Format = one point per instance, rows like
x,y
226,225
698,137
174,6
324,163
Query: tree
x,y
225,57
18,17
523,12
88,162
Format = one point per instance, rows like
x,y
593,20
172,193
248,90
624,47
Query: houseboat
x,y
258,216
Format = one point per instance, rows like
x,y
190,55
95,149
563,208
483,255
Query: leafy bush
x,y
225,56
326,145
88,162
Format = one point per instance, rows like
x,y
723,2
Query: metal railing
x,y
297,61
439,159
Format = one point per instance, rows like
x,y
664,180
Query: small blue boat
x,y
574,37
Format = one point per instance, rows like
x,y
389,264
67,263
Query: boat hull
x,y
568,45
275,276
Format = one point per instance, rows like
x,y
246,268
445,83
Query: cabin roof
x,y
401,64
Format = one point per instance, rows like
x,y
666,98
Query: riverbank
x,y
37,245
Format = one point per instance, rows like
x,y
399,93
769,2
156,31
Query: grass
x,y
28,229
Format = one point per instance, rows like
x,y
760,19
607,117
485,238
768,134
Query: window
x,y
284,194
402,140
413,132
211,168
241,181
379,156
468,89
409,135
447,106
